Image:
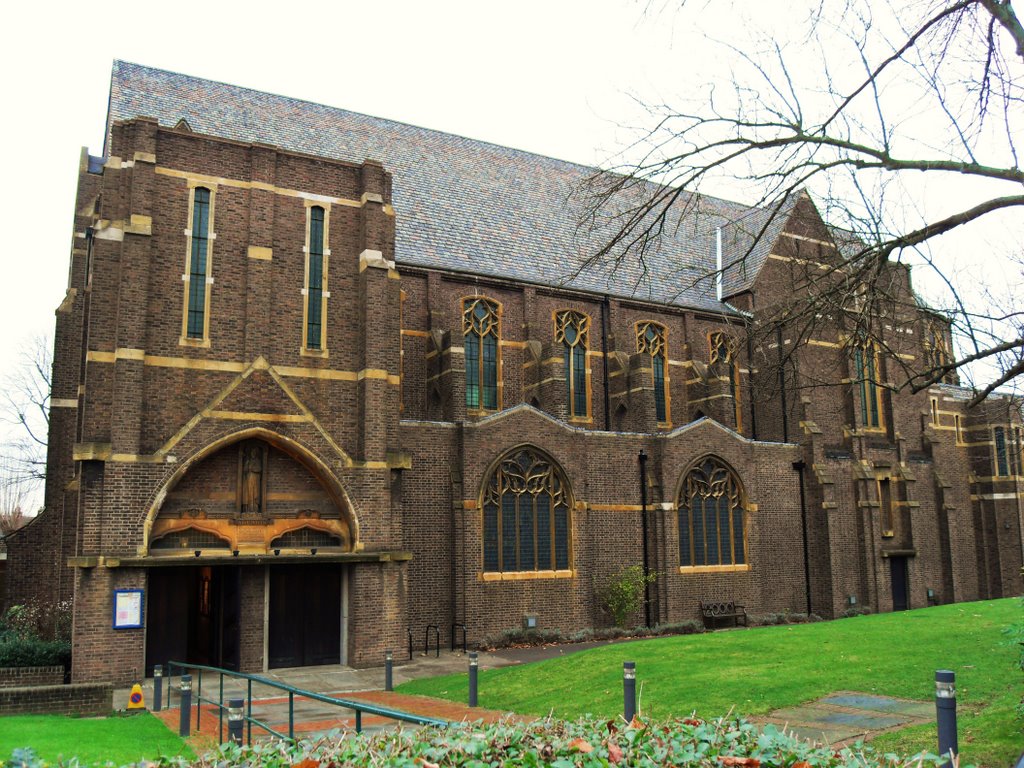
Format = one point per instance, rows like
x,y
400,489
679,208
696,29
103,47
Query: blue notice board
x,y
127,608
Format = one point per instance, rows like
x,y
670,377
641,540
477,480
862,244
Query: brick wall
x,y
18,677
79,700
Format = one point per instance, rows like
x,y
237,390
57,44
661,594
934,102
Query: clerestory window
x,y
481,333
650,338
572,330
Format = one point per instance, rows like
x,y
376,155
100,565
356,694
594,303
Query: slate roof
x,y
463,204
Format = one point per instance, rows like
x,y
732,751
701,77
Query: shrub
x,y
589,742
623,594
35,635
688,627
29,651
518,636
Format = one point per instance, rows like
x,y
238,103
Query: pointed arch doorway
x,y
244,556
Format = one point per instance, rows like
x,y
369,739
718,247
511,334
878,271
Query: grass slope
x,y
121,740
758,670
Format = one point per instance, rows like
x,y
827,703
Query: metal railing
x,y
358,707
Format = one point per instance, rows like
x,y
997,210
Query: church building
x,y
323,380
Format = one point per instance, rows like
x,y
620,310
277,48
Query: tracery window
x,y
712,518
1001,453
526,521
197,272
650,338
724,350
572,330
936,351
316,278
480,328
865,363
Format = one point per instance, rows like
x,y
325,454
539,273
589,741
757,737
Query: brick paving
x,y
312,717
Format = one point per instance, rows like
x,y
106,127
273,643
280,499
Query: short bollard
x,y
945,712
389,661
236,720
158,688
473,669
629,690
185,703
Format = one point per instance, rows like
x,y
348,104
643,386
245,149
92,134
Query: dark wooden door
x,y
305,615
193,615
898,568
167,616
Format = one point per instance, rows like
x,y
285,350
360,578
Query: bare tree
x,y
15,495
26,410
882,102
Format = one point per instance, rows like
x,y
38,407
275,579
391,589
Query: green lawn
x,y
121,740
758,670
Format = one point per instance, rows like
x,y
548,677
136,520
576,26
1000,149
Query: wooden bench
x,y
717,612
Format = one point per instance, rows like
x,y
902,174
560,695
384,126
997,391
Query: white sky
x,y
552,77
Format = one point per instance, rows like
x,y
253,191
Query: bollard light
x,y
185,704
628,690
158,687
945,713
474,668
236,716
389,660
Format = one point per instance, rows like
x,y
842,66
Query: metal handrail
x,y
463,628
437,640
358,707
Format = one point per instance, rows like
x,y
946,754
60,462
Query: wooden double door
x,y
193,615
305,614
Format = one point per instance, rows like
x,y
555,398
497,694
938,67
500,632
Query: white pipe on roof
x,y
718,263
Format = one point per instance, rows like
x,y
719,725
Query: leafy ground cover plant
x,y
694,743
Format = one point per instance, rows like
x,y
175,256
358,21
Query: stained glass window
x,y
198,262
572,330
526,515
865,361
711,516
650,338
315,279
480,331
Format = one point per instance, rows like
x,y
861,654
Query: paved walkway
x,y
846,716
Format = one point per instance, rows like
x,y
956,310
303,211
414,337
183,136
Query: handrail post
x,y
199,699
291,715
359,721
220,711
249,716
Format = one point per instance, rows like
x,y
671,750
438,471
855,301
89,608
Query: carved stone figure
x,y
252,479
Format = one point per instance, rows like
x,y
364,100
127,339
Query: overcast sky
x,y
556,77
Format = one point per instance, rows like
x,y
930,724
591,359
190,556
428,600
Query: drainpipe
x,y
605,311
750,380
800,466
643,527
